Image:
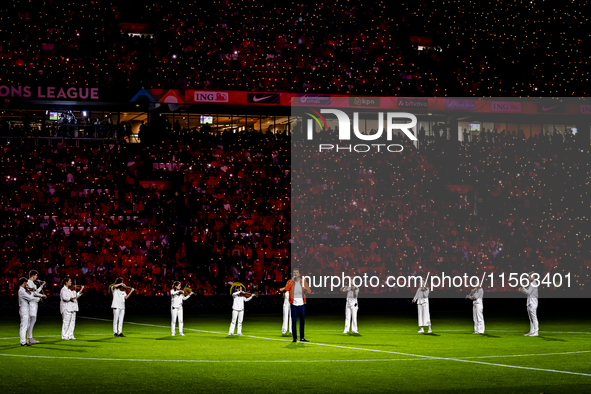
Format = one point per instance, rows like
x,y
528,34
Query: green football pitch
x,y
388,356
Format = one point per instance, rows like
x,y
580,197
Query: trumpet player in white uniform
x,y
238,309
25,298
118,305
286,312
68,308
476,296
34,305
177,296
422,300
532,305
351,308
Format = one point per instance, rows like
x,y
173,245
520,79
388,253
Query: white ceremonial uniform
x,y
532,308
238,312
286,314
118,306
477,314
33,306
176,309
351,308
422,300
68,309
24,302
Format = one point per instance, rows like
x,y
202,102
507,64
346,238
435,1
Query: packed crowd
x,y
210,210
513,205
215,210
419,48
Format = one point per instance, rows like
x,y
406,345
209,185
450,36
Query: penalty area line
x,y
413,330
410,330
211,361
386,351
285,340
519,367
444,358
526,355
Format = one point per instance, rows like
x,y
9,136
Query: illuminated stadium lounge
x,y
105,114
107,117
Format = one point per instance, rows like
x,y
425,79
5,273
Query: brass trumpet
x,y
472,292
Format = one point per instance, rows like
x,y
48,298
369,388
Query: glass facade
x,y
58,122
187,122
474,127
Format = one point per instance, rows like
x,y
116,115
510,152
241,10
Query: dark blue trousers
x,y
295,312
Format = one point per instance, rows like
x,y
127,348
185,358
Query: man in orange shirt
x,y
297,288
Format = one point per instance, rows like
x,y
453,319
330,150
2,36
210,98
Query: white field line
x,y
213,361
389,352
518,367
419,357
468,331
279,361
525,355
338,331
286,361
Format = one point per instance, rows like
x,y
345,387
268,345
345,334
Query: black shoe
x,y
26,344
295,340
115,335
121,335
304,340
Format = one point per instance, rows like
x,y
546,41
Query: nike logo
x,y
548,108
257,99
